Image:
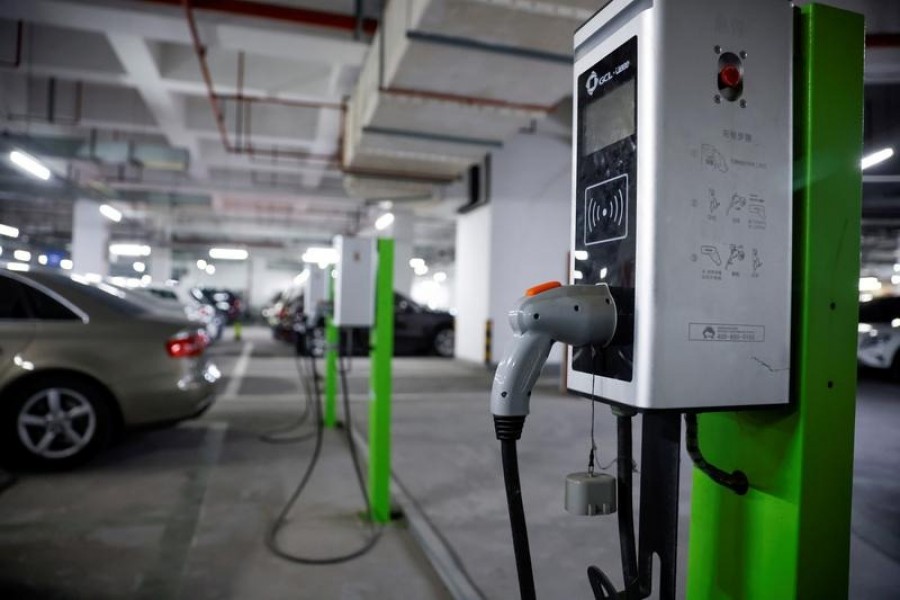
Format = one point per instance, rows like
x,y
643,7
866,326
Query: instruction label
x,y
725,332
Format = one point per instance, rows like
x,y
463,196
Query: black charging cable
x,y
509,430
280,520
279,435
736,481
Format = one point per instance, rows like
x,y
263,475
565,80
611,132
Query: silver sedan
x,y
80,362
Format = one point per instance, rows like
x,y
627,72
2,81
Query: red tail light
x,y
187,344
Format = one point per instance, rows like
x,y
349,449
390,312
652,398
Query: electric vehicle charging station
x,y
696,290
358,302
315,293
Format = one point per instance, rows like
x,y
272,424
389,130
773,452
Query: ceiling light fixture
x,y
29,164
876,157
129,249
111,213
22,255
228,253
9,231
384,221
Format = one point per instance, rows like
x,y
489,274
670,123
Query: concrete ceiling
x,y
123,77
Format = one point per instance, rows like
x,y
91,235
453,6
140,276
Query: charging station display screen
x,y
608,119
606,200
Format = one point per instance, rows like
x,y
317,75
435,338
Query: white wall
x,y
530,226
473,271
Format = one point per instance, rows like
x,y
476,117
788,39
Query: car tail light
x,y
187,344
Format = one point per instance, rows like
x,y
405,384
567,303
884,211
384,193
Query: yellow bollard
x,y
237,331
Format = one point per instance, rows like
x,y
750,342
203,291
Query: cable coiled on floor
x,y
279,522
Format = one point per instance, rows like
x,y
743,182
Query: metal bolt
x,y
717,49
743,54
743,103
718,99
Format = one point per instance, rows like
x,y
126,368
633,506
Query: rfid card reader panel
x,y
682,200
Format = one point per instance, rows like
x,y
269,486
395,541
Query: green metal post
x,y
789,537
331,363
380,411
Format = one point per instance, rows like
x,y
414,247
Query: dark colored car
x,y
225,301
417,331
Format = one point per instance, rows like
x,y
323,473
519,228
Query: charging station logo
x,y
593,82
606,211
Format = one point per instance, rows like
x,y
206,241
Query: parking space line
x,y
163,580
237,376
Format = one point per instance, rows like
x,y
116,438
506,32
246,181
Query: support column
x,y
403,233
789,536
161,263
90,238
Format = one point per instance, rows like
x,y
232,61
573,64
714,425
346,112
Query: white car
x,y
879,334
181,300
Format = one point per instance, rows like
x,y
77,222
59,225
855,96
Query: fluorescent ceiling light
x,y
22,255
201,264
421,270
126,249
66,264
228,253
146,280
9,231
139,266
320,255
210,269
14,266
111,213
384,221
876,157
581,255
29,164
416,262
42,259
440,277
577,275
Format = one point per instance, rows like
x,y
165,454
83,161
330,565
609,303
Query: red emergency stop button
x,y
730,76
543,287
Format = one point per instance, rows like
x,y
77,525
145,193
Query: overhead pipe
x,y
50,115
219,116
218,113
466,100
280,12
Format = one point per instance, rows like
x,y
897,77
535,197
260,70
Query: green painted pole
x,y
331,363
380,409
789,537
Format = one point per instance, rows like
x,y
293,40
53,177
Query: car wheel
x,y
57,422
444,343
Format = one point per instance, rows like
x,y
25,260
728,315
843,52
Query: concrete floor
x,y
181,512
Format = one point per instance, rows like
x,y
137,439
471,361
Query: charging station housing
x,y
682,200
315,291
354,289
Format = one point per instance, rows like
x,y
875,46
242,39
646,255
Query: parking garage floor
x,y
182,512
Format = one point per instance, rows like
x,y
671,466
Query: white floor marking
x,y
237,376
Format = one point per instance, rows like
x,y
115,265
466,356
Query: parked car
x,y
879,334
81,362
225,301
196,309
417,330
